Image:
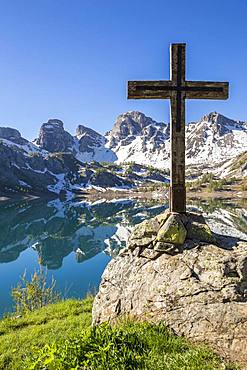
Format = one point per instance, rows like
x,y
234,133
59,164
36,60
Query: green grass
x,y
19,337
59,337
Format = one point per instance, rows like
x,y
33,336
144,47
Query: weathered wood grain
x,y
206,90
163,89
149,89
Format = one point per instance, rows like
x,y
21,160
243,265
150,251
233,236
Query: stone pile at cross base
x,y
175,270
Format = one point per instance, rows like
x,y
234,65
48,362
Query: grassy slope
x,y
127,346
19,336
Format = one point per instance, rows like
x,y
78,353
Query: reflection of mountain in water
x,y
55,229
224,217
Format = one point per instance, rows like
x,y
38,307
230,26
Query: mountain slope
x,y
27,168
58,162
138,138
90,146
215,138
236,167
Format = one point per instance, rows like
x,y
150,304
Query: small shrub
x,y
206,178
215,185
98,171
104,164
34,293
232,181
128,171
101,347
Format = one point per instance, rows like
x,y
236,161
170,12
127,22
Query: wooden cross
x,y
177,89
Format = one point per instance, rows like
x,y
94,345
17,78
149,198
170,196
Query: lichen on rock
x,y
144,233
172,228
198,229
173,231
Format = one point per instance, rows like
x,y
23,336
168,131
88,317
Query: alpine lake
x,y
75,240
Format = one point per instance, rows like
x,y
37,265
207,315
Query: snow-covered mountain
x,y
235,167
140,139
39,168
214,138
57,160
90,146
86,145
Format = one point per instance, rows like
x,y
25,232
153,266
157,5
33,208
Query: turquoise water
x,y
76,240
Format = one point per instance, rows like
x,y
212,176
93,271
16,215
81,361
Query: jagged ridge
x,y
57,160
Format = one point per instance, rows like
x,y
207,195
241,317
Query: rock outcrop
x,y
198,288
12,135
88,139
53,137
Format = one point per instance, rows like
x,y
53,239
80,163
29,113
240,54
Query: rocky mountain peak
x,y
12,134
134,119
137,117
88,138
53,137
86,131
220,121
53,122
212,117
129,125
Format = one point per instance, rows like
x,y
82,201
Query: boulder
x,y
144,233
200,231
197,229
173,231
197,289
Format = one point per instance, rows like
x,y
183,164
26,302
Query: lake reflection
x,y
69,238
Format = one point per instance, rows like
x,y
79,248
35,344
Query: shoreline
x,y
109,194
141,193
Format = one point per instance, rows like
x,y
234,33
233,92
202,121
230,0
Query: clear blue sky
x,y
71,59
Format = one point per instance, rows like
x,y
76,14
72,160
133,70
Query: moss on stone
x,y
200,232
173,231
145,229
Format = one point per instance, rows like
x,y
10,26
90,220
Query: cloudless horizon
x,y
71,59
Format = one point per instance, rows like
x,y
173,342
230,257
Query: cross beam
x,y
177,89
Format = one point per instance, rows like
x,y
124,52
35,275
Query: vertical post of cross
x,y
177,193
177,89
